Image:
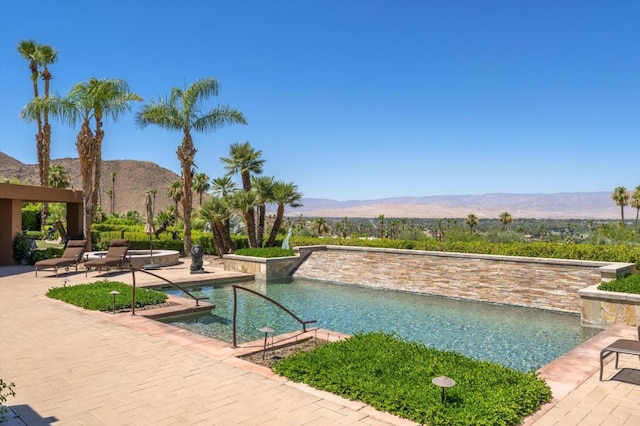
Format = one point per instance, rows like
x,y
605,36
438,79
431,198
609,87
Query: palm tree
x,y
181,112
175,193
218,213
91,102
321,226
40,55
263,187
284,194
201,185
621,198
472,221
110,194
113,174
635,203
223,186
244,160
58,177
505,219
244,203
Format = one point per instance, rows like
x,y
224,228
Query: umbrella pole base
x,y
152,266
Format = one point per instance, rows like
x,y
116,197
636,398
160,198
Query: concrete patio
x,y
72,366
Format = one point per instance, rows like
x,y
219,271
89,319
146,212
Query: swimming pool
x,y
520,338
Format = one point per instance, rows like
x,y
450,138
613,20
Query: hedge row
x,y
554,250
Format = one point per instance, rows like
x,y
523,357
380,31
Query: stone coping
x,y
592,292
523,259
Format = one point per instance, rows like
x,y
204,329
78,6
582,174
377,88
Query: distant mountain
x,y
578,205
135,178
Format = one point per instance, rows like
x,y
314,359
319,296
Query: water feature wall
x,y
523,281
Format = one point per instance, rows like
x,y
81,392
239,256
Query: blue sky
x,y
359,99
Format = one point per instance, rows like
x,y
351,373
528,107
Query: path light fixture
x,y
114,293
266,331
443,382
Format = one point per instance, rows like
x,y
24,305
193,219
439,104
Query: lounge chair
x,y
620,346
72,255
115,256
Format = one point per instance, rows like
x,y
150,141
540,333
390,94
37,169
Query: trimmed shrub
x,y
628,284
96,297
266,252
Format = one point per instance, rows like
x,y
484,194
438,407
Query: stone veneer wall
x,y
604,308
533,282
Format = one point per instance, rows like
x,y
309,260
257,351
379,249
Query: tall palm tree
x,y
472,221
175,193
244,160
244,202
635,203
263,187
58,177
40,56
87,104
181,112
284,194
621,197
505,219
201,185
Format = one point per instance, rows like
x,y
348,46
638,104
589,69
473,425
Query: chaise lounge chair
x,y
72,255
115,256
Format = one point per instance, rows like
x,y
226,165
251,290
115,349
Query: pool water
x,y
521,338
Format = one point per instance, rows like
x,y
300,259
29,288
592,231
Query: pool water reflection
x,y
520,338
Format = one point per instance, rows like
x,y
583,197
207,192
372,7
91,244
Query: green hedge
x,y
605,253
394,375
267,252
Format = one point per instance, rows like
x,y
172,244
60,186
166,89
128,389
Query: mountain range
x,y
134,178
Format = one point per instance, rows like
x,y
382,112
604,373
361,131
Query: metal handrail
x,y
235,308
179,287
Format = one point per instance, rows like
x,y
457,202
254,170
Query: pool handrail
x,y
179,287
235,306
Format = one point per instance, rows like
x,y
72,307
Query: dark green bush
x,y
96,297
266,252
22,248
31,217
395,375
628,284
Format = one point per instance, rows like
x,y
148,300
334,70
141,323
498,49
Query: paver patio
x,y
71,366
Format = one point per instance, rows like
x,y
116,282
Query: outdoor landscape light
x,y
266,331
444,382
114,293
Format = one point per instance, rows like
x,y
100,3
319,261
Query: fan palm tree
x,y
181,112
472,221
201,185
223,186
244,160
321,226
284,194
244,202
635,203
87,104
263,187
175,193
58,177
505,219
218,213
621,197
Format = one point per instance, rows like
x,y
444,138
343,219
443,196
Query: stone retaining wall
x,y
533,282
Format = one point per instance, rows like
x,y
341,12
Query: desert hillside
x,y
135,178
